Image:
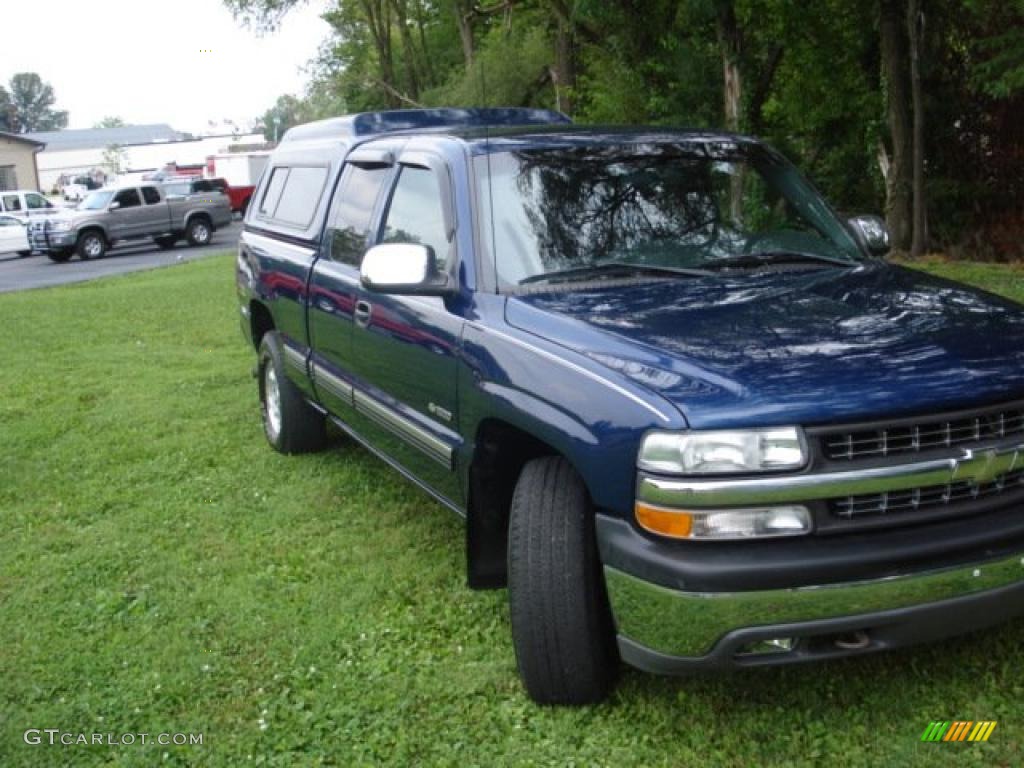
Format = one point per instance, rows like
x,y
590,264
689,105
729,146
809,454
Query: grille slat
x,y
929,434
930,497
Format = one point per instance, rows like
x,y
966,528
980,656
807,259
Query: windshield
x,y
96,201
683,206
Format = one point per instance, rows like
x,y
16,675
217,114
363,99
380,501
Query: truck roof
x,y
492,129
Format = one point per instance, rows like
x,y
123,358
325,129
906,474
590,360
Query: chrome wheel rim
x,y
93,247
272,402
201,233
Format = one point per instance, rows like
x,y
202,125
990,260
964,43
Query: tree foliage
x,y
27,105
898,105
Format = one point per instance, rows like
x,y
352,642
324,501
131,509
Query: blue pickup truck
x,y
691,416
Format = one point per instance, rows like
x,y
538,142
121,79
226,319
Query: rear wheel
x,y
199,231
91,245
290,423
561,623
165,242
23,254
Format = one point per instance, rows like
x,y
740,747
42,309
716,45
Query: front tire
x,y
91,245
60,256
199,231
290,424
561,623
24,254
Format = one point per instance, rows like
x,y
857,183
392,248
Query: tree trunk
x,y
729,42
463,20
895,66
408,48
379,16
915,27
564,75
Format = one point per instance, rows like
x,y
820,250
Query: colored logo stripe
x,y
958,730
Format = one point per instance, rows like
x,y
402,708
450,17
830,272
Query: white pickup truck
x,y
107,217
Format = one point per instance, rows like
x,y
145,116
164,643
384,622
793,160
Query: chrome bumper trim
x,y
976,465
688,624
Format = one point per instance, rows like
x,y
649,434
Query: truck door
x,y
156,215
335,277
126,219
403,359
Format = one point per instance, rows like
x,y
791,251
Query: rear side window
x,y
150,195
415,214
12,203
128,198
301,196
273,194
353,208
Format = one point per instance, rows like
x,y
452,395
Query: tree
x,y
32,103
110,122
881,111
115,158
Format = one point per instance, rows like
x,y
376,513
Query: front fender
x,y
590,415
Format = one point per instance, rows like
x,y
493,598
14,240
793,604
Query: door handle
x,y
362,313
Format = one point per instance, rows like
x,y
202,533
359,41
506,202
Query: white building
x,y
141,148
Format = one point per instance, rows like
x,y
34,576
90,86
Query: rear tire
x,y
24,254
199,231
91,245
290,424
562,626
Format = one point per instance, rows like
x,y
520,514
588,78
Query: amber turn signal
x,y
667,522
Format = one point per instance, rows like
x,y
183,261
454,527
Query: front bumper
x,y
43,240
672,631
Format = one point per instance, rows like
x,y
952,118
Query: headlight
x,y
724,524
723,451
60,226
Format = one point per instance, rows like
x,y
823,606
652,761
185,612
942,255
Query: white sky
x,y
143,60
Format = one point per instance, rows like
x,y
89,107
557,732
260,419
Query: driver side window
x,y
128,198
415,214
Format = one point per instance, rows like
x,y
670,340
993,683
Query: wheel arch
x,y
261,321
501,450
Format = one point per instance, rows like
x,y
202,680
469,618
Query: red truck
x,y
236,175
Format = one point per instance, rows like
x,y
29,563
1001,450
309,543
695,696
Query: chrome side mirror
x,y
871,233
114,206
403,268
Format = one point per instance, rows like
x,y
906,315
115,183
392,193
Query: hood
x,y
794,347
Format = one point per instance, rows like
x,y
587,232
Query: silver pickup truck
x,y
107,217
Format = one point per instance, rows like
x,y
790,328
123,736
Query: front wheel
x,y
199,231
290,423
561,623
91,245
24,254
60,256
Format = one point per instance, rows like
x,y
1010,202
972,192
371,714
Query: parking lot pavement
x,y
19,274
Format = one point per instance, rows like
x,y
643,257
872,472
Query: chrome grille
x,y
926,435
916,499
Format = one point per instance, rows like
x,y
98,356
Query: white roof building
x,y
142,148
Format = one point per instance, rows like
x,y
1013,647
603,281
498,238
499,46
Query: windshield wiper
x,y
763,258
611,268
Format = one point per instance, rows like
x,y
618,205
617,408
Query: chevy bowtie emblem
x,y
983,466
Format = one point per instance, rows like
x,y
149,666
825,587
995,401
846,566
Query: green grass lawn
x,y
162,570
